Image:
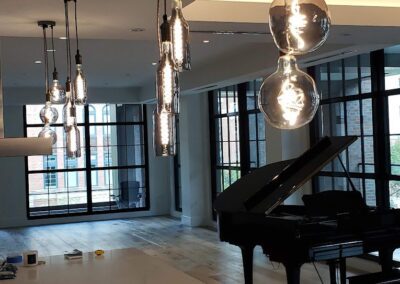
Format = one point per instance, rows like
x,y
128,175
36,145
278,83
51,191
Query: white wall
x,y
13,211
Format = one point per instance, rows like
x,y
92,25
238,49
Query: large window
x,y
237,131
346,109
111,175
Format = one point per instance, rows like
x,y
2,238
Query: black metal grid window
x,y
237,134
111,175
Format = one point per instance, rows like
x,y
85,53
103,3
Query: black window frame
x,y
242,113
88,169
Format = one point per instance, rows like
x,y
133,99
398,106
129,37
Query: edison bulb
x,y
47,132
164,136
299,26
180,37
57,93
48,114
69,115
167,81
288,98
73,142
80,86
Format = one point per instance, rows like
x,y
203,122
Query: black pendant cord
x,y
165,7
158,28
46,61
54,54
78,57
67,32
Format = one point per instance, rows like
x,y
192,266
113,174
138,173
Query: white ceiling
x,y
116,57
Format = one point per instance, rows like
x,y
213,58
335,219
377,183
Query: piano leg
x,y
293,272
343,270
333,266
386,259
332,271
247,257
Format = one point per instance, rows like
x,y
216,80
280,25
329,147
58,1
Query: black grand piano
x,y
331,226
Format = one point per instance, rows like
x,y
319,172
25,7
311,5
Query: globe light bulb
x,y
164,136
47,132
80,87
57,93
180,37
167,82
299,26
73,142
48,114
288,98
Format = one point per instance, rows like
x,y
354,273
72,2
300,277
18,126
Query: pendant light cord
x,y
76,27
54,50
67,34
158,28
165,7
46,60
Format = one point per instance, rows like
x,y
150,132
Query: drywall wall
x,y
12,170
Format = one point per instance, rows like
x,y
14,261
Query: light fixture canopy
x,y
288,98
299,26
180,37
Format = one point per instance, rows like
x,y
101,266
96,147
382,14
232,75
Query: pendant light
x,y
164,136
167,92
69,111
48,114
167,72
57,92
80,87
289,98
180,37
299,26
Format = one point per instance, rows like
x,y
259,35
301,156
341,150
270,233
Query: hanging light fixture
x,y
80,87
299,26
180,37
69,110
289,98
164,136
167,72
48,114
57,93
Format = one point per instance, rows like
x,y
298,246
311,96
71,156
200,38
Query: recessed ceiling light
x,y
51,50
206,41
154,63
63,37
137,30
38,61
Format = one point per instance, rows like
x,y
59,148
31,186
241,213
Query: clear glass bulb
x,y
288,98
57,93
167,82
299,26
47,132
48,114
73,142
180,37
80,86
164,135
69,115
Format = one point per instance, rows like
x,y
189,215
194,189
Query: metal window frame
x,y
88,169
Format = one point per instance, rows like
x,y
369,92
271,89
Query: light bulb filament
x,y
291,99
164,128
297,22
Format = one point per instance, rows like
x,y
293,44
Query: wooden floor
x,y
196,251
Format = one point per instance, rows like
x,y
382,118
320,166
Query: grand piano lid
x,y
266,188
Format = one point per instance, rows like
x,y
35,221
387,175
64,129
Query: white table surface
x,y
127,266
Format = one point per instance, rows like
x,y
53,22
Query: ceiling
x,y
114,56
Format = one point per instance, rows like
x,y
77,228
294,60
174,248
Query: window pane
x,y
392,68
351,76
336,76
365,66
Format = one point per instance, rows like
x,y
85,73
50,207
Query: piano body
x,y
332,226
